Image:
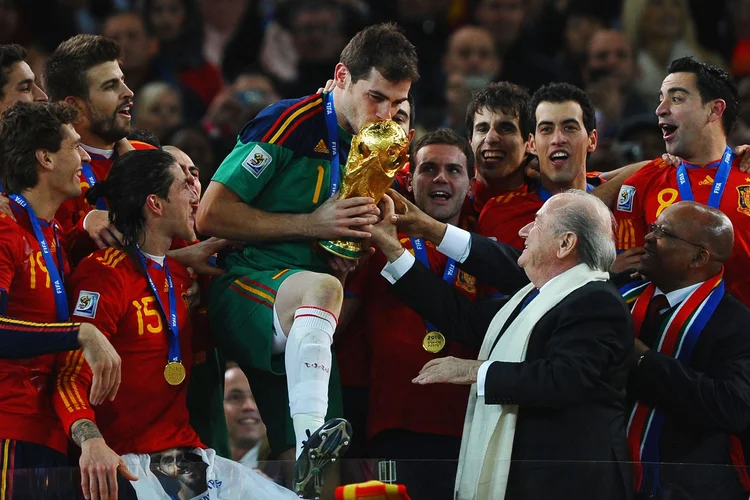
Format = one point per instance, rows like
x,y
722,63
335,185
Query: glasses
x,y
660,231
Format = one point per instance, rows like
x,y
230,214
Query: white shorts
x,y
225,480
279,337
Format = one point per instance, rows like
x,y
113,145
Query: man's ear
x,y
567,245
718,107
341,75
155,204
44,159
409,180
531,145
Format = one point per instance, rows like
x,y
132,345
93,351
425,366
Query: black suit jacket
x,y
570,435
706,401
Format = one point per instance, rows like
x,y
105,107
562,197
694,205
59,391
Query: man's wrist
x,y
392,253
435,232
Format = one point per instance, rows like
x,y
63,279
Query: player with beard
x,y
136,296
85,72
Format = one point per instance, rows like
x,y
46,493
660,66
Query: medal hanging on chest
x,y
433,341
174,371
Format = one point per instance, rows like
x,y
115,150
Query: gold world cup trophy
x,y
378,152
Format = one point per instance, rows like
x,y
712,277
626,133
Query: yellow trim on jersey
x,y
255,291
4,473
20,322
66,382
291,118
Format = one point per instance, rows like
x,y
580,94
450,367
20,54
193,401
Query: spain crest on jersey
x,y
743,204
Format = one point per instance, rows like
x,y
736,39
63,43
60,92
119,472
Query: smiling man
x,y
564,126
276,191
85,72
698,108
397,341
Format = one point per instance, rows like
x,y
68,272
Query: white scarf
x,y
489,430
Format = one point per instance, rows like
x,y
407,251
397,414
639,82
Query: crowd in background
x,y
203,68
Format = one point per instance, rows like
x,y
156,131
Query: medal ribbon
x,y
449,275
88,173
54,270
722,174
677,337
332,125
174,329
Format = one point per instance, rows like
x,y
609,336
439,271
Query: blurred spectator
x,y
583,18
177,26
318,34
194,142
521,64
236,105
158,109
8,22
140,63
640,139
17,81
740,16
470,64
247,432
611,74
741,132
220,21
661,31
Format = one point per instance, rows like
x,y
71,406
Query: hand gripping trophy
x,y
378,152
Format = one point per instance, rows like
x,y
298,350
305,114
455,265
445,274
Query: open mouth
x,y
493,155
668,131
250,421
559,158
441,196
125,110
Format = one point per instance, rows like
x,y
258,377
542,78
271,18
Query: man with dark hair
x,y
85,72
690,387
137,296
17,81
429,421
41,156
564,125
698,108
498,128
276,191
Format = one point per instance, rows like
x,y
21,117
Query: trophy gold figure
x,y
378,152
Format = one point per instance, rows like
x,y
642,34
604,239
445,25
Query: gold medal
x,y
174,372
433,342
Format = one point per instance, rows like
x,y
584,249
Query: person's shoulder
x,y
731,307
646,173
597,295
140,145
104,263
8,224
282,120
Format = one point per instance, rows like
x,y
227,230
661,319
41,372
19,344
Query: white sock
x,y
308,367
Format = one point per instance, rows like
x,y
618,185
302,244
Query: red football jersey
x,y
70,215
26,411
654,187
503,216
394,335
148,414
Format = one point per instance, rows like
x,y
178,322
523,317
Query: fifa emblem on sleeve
x,y
256,161
625,198
743,204
86,304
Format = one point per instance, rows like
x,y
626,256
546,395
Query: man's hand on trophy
x,y
385,233
414,222
336,218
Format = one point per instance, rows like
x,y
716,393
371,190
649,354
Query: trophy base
x,y
345,248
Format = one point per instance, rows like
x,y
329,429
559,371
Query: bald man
x,y
690,388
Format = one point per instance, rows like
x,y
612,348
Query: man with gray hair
x,y
547,405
